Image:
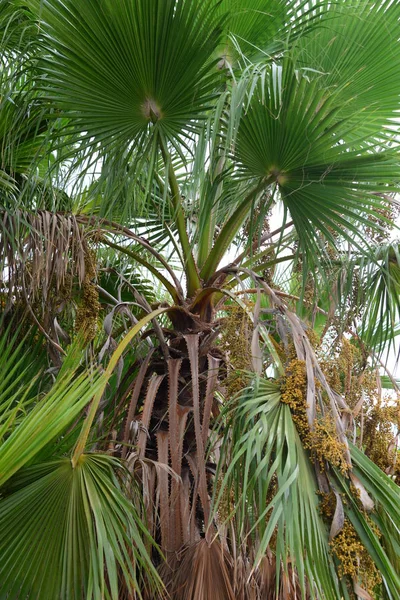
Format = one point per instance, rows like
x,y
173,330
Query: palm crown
x,y
200,286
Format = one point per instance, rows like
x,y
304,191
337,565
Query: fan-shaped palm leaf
x,y
49,417
292,137
356,52
263,28
116,68
382,313
22,121
264,463
386,517
267,480
70,533
20,382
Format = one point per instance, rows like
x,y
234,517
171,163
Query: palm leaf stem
x,y
269,263
175,244
83,437
106,295
259,242
232,281
280,295
116,228
192,275
207,231
229,231
139,259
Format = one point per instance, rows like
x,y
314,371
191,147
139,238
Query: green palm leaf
x,y
263,462
383,489
16,28
356,52
386,516
50,416
292,137
22,122
382,312
70,533
79,526
116,68
263,28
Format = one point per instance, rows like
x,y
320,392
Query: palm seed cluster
x,y
322,440
89,308
349,374
355,561
235,342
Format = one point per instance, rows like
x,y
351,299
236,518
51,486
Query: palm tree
x,y
200,285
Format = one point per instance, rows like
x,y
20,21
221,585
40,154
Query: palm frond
x,y
20,384
292,137
382,311
262,29
117,69
49,417
23,128
75,532
16,28
386,517
355,52
264,465
36,249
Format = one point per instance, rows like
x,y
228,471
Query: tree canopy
x,y
199,296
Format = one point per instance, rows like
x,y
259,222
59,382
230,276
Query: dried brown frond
x,y
173,402
205,572
260,583
38,250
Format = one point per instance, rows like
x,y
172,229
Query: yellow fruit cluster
x,y
88,310
347,372
235,341
322,441
326,445
355,561
378,435
227,502
327,504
